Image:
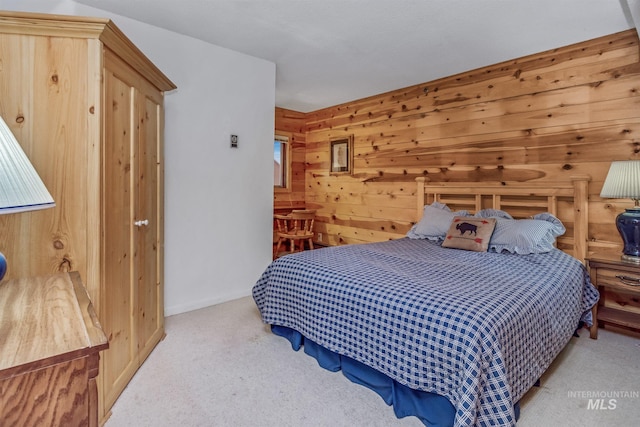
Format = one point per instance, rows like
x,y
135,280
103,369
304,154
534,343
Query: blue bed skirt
x,y
431,408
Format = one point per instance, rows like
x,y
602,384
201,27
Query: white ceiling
x,y
332,51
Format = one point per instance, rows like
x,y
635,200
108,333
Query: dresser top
x,y
615,261
42,319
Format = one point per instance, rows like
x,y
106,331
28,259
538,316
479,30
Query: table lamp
x,y
21,188
623,182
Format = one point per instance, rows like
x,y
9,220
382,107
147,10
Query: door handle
x,y
141,223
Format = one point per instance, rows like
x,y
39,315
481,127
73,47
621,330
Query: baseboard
x,y
196,305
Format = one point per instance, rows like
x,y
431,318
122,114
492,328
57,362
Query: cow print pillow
x,y
469,233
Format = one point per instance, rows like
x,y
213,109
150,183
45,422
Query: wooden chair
x,y
294,227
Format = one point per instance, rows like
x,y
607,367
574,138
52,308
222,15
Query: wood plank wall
x,y
543,117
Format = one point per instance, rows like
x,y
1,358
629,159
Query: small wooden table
x,y
610,274
49,352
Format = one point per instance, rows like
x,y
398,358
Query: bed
x,y
451,336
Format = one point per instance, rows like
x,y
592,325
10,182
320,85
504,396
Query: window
x,y
280,158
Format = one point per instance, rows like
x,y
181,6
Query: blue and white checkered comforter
x,y
477,328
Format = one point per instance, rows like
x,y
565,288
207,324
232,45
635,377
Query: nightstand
x,y
618,282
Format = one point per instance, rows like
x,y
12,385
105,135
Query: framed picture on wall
x,y
342,154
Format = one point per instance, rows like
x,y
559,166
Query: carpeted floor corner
x,y
221,366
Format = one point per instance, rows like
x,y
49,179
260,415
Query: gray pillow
x,y
526,236
492,213
435,222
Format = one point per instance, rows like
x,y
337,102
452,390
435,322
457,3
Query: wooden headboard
x,y
567,201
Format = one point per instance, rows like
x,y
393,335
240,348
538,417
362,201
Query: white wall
x,y
634,11
218,200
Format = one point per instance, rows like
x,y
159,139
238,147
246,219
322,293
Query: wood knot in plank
x,y
65,265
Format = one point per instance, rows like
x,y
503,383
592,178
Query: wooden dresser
x,y
49,352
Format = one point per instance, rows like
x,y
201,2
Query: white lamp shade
x,y
21,188
623,180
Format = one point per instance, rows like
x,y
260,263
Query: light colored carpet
x,y
220,366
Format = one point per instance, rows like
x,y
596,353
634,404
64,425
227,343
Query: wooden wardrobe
x,y
87,107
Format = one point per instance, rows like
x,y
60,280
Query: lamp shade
x,y
622,181
21,188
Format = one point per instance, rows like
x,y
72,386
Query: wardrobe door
x,y
120,361
148,220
